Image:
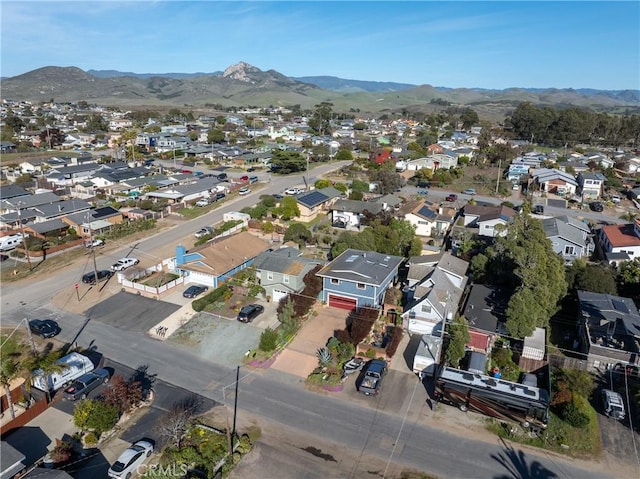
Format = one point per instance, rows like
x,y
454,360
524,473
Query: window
x,y
361,286
420,222
270,276
425,308
570,250
488,227
285,279
335,281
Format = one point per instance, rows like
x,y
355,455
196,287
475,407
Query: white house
x,y
428,218
490,220
623,238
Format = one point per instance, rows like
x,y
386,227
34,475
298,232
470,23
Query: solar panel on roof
x,y
351,258
426,212
313,198
620,306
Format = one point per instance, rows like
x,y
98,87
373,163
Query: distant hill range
x,y
243,84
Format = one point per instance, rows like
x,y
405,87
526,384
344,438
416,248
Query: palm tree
x,y
9,370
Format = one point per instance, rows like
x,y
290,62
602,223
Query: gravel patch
x,y
216,339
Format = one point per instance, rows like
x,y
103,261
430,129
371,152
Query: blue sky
x,y
453,44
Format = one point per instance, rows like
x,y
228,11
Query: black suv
x,y
597,206
249,312
222,177
90,278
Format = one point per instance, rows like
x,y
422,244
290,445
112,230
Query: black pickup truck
x,y
370,378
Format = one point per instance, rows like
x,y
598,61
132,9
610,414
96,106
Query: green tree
x,y
596,278
96,415
320,121
359,185
388,181
344,155
288,208
215,136
298,233
286,162
322,184
629,278
458,338
287,318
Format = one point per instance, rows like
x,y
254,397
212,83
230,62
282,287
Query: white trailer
x,y
10,242
427,356
73,366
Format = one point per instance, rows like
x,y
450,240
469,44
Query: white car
x,y
244,191
130,460
94,243
203,202
124,263
292,191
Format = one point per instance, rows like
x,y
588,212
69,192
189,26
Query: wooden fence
x,y
29,414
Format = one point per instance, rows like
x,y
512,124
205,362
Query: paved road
x,y
405,438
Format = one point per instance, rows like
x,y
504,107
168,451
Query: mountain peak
x,y
241,72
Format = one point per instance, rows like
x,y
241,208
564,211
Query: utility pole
x,y
308,185
24,238
498,178
93,250
31,341
235,402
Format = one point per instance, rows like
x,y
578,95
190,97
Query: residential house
x,y
59,209
491,221
349,213
358,278
187,192
8,192
282,271
13,461
427,218
623,238
608,330
44,229
69,175
591,185
94,222
433,162
555,181
25,202
216,261
485,312
313,202
569,237
7,147
435,285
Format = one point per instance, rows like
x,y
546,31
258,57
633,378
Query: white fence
x,y
152,290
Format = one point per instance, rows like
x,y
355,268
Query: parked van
x,y
613,405
253,179
73,365
10,242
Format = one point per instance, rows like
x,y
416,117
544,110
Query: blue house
x,y
358,278
214,262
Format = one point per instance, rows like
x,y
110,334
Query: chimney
x,y
180,252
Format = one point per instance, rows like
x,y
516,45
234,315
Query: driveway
x,y
299,358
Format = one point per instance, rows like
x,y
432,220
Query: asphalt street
x,y
404,437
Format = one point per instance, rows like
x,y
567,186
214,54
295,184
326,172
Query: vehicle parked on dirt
x,y
613,405
249,312
451,197
130,460
222,177
469,191
371,377
47,328
124,263
244,178
207,230
596,206
85,384
96,242
102,274
203,202
244,191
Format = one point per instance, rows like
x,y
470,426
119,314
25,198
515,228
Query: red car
x,y
452,197
244,178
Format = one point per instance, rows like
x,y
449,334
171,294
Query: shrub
x,y
268,340
96,415
124,395
394,342
90,439
572,415
214,296
62,452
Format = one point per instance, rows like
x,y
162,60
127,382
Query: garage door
x,y
278,295
342,302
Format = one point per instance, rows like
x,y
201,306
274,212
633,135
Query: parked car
x,y
244,178
370,379
292,191
203,202
47,328
220,196
423,184
597,206
249,312
615,199
129,461
249,170
469,191
90,277
207,230
124,263
451,197
612,404
94,243
194,290
244,191
85,384
222,177
538,209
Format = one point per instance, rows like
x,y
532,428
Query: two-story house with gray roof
x,y
433,299
282,271
358,279
590,185
608,331
569,237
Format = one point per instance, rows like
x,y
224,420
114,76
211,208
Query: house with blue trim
x,y
358,278
216,261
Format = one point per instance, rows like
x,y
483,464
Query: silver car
x,y
130,460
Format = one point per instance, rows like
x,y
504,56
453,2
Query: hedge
x,y
214,296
